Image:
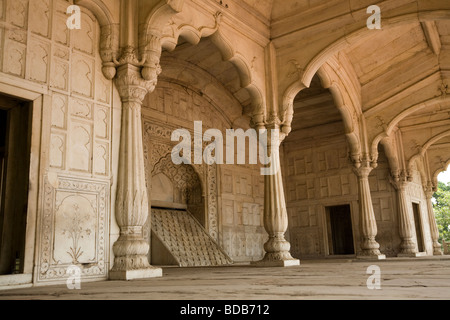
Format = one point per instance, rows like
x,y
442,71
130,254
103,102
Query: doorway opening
x,y
15,144
340,231
418,225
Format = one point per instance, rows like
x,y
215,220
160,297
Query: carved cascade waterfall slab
x,y
186,239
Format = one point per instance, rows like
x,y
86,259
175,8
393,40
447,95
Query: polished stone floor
x,y
401,278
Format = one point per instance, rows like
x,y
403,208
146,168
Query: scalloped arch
x,y
205,85
439,171
332,81
320,59
402,115
427,145
228,53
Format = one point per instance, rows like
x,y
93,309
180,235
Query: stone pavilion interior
x,y
87,117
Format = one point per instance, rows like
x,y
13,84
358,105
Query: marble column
x,y
370,248
132,206
408,247
275,214
437,249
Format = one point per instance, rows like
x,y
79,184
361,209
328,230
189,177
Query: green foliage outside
x,y
441,205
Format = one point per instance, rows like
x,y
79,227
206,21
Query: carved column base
x,y
131,261
437,249
408,249
370,250
277,253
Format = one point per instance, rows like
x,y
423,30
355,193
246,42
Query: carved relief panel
x,y
39,49
74,228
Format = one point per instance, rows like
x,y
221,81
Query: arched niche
x,y
177,187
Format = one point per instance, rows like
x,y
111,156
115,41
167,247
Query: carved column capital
x,y
363,167
400,179
273,122
130,84
134,77
429,190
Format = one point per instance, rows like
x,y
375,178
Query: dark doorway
x,y
15,142
418,225
340,232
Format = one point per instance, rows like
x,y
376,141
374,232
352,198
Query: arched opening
x,y
197,86
201,68
320,184
177,187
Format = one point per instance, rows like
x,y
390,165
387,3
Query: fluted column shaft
x,y
370,248
406,222
132,207
437,249
275,214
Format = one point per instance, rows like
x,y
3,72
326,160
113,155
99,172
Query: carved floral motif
x,y
73,223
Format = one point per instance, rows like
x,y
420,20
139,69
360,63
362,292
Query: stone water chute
x,y
186,240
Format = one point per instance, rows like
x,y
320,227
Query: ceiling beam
x,y
432,35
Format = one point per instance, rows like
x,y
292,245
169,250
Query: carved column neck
x,y
271,123
429,190
400,180
132,87
363,172
363,166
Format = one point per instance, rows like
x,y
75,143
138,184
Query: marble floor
x,y
330,279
